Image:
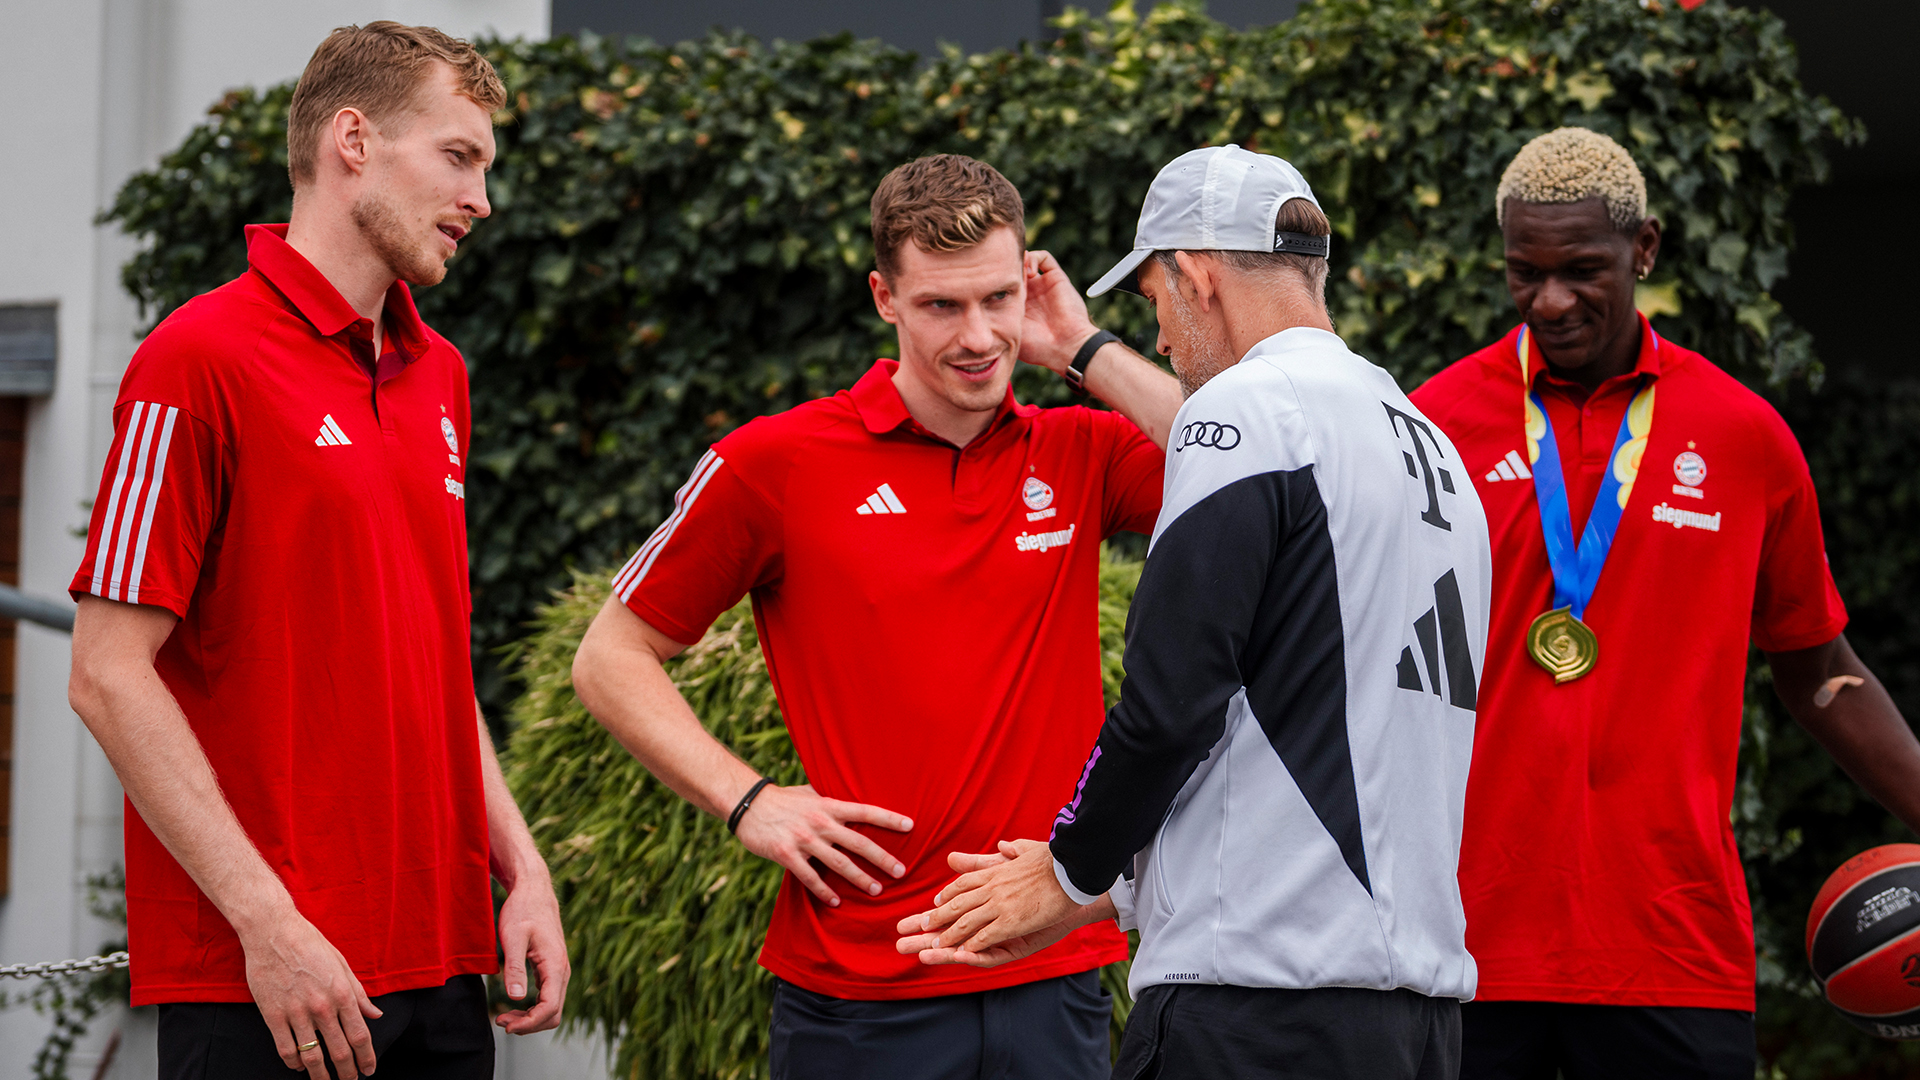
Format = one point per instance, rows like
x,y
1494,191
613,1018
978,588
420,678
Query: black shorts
x,y
1054,1029
1534,1040
1327,1033
435,1033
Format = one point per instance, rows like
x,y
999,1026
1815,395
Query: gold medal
x,y
1562,644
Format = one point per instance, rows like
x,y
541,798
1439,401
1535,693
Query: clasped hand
x,y
1002,907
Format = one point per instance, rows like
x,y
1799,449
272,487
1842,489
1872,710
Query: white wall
x,y
98,89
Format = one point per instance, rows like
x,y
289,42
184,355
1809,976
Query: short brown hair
x,y
377,68
1297,216
942,203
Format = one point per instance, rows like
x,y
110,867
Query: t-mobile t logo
x,y
1419,467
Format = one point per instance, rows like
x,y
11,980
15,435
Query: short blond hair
x,y
946,202
379,69
1570,164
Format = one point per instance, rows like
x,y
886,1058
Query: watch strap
x,y
1076,372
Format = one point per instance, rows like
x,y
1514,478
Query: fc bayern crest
x,y
1689,468
453,438
1036,494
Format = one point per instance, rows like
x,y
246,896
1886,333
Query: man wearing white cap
x,y
1275,802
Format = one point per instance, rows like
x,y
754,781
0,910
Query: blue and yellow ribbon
x,y
1576,569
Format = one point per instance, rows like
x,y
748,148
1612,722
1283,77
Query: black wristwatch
x,y
1076,373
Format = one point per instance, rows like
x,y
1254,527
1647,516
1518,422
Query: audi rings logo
x,y
1208,433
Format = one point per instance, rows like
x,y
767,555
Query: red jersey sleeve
x,y
721,540
1135,471
160,495
1795,603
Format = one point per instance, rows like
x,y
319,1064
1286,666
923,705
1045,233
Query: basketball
x,y
1863,940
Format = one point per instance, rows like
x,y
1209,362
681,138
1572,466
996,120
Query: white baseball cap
x,y
1220,198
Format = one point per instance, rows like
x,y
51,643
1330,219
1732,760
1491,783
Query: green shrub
x,y
681,233
664,912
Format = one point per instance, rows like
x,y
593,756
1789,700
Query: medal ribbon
x,y
1576,569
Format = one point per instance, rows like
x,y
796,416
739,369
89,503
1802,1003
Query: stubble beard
x,y
381,226
966,396
1198,356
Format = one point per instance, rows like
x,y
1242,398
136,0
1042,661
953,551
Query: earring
x,y
1643,273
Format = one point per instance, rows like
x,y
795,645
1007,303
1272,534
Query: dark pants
x,y
1054,1029
1327,1033
1534,1040
437,1033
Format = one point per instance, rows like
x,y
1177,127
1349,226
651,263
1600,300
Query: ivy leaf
x,y
1589,89
1727,252
1657,298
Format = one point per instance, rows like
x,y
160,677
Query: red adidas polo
x,y
929,617
300,507
1597,861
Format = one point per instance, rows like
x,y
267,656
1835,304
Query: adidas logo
x,y
1442,636
330,433
883,501
1511,467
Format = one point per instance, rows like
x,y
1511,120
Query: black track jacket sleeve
x,y
1197,609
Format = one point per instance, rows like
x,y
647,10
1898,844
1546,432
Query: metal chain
x,y
63,967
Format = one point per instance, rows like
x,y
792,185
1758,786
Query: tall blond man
x,y
923,552
272,641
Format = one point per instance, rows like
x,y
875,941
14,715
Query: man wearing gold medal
x,y
1651,518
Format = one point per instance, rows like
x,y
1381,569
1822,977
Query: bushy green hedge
x,y
664,912
680,235
680,239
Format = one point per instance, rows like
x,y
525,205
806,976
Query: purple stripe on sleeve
x,y
1067,814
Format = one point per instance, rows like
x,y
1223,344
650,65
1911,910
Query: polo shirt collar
x,y
316,300
881,409
1648,365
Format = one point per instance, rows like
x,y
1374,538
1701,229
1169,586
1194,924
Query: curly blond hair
x,y
1570,164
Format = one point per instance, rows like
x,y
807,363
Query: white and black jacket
x,y
1276,799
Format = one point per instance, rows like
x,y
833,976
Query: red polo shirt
x,y
1597,862
930,621
299,506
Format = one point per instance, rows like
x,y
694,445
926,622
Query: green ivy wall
x,y
680,243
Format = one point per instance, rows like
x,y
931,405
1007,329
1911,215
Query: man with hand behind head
x,y
923,555
272,641
1275,800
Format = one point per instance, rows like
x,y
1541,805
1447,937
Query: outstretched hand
x,y
1002,907
795,825
1056,322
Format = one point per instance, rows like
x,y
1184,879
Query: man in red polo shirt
x,y
1606,904
922,552
272,640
